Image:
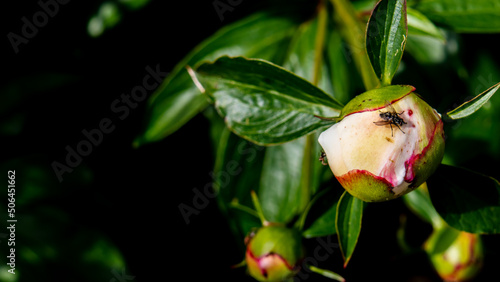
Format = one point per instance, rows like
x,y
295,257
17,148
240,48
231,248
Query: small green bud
x,y
456,255
274,253
387,142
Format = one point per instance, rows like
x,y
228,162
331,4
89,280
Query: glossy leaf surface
x,y
263,102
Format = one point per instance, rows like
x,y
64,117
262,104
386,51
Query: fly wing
x,y
382,122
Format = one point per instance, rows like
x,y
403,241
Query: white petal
x,y
358,143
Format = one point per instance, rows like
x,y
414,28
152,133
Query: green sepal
x,y
376,99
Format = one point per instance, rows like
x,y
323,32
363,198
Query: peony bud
x,y
459,260
274,253
387,142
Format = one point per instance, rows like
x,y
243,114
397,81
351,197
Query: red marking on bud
x,y
410,112
262,266
455,274
410,174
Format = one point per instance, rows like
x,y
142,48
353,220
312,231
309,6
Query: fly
x,y
391,117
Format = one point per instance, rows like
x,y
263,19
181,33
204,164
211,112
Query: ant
x,y
322,158
391,117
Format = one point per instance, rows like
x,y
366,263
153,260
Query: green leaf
x,y
323,226
418,201
474,104
364,6
302,52
322,214
466,200
177,100
418,24
289,174
427,50
237,170
338,66
280,186
263,102
348,224
386,38
480,130
462,15
306,59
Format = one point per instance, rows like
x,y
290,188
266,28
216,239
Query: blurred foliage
x,y
46,237
110,13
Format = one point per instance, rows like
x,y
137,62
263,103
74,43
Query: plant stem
x,y
320,42
238,206
307,171
307,164
326,273
302,219
258,208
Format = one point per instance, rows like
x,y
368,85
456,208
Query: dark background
x,y
130,196
62,82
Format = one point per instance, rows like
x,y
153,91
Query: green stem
x,y
320,42
240,264
400,235
309,158
258,208
219,162
302,219
307,171
353,32
238,206
326,273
